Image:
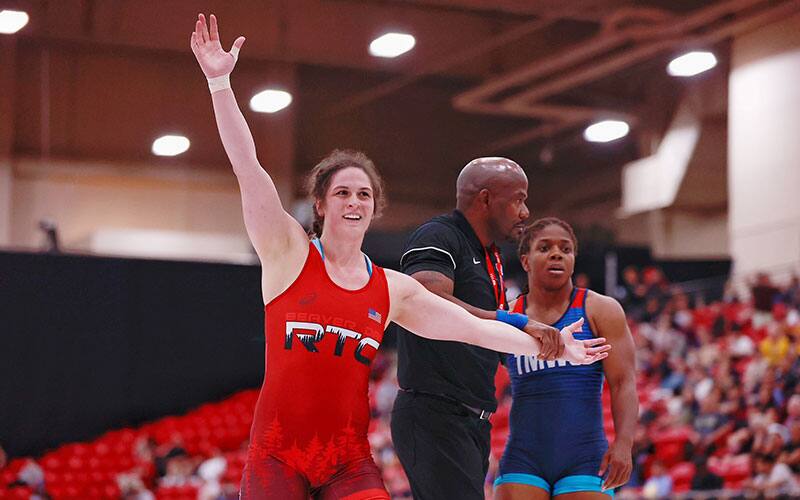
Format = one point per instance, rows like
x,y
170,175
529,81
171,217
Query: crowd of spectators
x,y
718,384
719,388
720,411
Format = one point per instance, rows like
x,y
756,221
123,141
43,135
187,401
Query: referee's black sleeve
x,y
434,246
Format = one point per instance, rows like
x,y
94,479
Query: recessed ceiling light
x,y
606,131
170,145
270,101
392,45
12,21
691,64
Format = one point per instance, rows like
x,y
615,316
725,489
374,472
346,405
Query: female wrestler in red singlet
x,y
326,309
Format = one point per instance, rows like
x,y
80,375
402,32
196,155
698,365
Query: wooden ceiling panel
x,y
121,73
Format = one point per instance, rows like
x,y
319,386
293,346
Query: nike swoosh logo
x,y
475,261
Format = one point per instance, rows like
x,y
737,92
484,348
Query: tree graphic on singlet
x,y
273,436
314,454
330,456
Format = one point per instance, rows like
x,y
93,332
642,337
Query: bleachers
x,y
91,470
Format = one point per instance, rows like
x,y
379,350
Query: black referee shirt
x,y
447,244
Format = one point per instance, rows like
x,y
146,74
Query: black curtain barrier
x,y
89,344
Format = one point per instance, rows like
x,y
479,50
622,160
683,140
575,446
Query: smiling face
x,y
550,261
349,203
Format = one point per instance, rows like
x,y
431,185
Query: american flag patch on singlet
x,y
374,315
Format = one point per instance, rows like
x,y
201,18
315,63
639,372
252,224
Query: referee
x,y
440,421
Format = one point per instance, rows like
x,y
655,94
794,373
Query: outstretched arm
x,y
552,345
608,319
416,309
272,231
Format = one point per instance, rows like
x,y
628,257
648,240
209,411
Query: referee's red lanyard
x,y
497,284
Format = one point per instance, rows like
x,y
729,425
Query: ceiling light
x,y
691,64
270,101
606,131
12,21
170,145
391,45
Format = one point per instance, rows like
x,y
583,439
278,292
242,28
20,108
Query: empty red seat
x,y
682,475
20,493
670,453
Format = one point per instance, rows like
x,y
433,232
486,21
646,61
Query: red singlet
x,y
313,411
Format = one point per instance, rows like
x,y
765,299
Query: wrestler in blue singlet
x,y
557,439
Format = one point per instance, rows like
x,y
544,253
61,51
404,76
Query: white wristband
x,y
219,83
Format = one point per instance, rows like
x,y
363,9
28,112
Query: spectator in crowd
x,y
740,345
210,472
793,411
791,450
764,294
698,381
631,293
734,382
659,485
791,296
772,478
179,469
132,487
682,315
704,479
711,424
165,453
656,285
32,476
775,347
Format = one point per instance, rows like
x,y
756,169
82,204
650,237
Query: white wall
x,y
139,210
690,235
652,182
764,148
84,199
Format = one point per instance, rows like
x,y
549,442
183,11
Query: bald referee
x,y
440,420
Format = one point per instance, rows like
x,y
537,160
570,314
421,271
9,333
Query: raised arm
x,y
416,309
273,232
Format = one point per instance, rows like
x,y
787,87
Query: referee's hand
x,y
550,337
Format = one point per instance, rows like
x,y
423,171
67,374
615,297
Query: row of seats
x,y
90,470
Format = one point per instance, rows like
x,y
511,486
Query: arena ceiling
x,y
519,78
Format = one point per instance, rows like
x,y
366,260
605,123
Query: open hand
x,y
583,352
214,61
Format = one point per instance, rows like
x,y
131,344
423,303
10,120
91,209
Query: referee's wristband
x,y
514,319
219,83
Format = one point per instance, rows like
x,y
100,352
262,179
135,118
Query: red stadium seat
x,y
7,476
682,475
52,462
670,444
20,493
734,470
